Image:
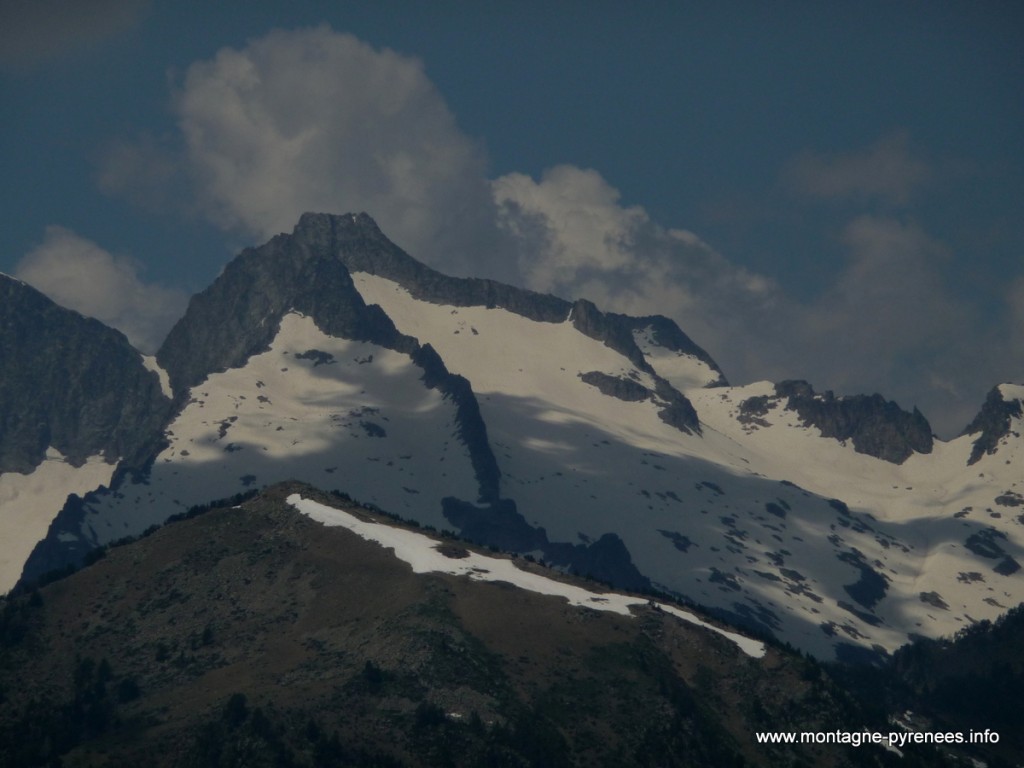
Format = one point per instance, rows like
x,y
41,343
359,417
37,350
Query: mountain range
x,y
605,445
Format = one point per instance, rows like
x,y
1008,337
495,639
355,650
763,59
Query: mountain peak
x,y
329,228
240,313
361,220
993,422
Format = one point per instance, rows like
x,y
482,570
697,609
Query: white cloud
x,y
586,227
575,239
78,274
314,120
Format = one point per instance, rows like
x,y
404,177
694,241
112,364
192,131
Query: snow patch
x,y
165,382
1011,392
681,370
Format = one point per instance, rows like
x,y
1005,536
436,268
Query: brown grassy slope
x,y
329,635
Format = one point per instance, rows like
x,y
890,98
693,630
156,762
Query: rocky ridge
x,y
992,424
70,383
876,426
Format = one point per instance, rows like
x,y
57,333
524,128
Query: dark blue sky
x,y
843,171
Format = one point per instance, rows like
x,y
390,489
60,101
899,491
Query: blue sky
x,y
812,190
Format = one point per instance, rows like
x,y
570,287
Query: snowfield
x,y
764,519
31,502
327,411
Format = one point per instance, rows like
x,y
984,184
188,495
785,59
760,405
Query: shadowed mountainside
x,y
253,635
70,383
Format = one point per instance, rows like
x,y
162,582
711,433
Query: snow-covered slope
x,y
958,521
332,412
75,400
30,501
683,370
759,516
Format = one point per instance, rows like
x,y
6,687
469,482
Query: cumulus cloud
x,y
315,120
888,171
576,239
78,274
35,31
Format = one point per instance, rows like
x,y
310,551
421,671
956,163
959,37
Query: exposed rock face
x,y
876,426
992,424
677,412
472,429
617,386
616,331
606,559
502,525
359,244
72,383
240,313
671,336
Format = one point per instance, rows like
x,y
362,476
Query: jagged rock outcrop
x,y
358,243
72,383
617,386
471,426
669,335
992,423
876,426
616,331
502,525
